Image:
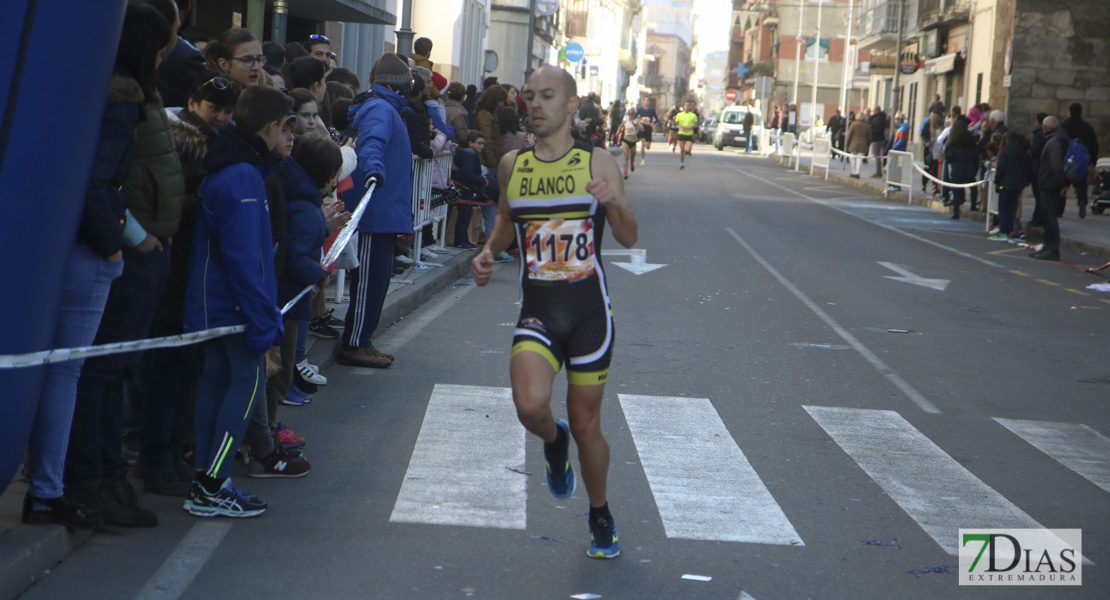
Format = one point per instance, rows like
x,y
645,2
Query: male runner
x,y
648,117
686,121
672,134
557,197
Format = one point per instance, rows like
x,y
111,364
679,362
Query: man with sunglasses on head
x,y
319,47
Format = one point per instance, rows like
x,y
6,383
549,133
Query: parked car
x,y
730,127
708,126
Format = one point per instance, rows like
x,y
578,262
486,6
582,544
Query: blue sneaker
x,y
295,397
603,538
560,479
227,502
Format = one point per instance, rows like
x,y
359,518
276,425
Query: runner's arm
x,y
608,187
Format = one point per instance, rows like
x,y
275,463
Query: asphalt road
x,y
777,400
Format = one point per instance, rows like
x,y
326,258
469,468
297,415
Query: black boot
x,y
63,511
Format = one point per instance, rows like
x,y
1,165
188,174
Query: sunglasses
x,y
319,38
218,82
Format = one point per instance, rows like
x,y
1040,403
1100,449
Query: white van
x,y
730,127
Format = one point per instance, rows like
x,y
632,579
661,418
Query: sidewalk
x,y
28,552
1090,235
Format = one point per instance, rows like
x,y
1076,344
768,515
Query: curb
x,y
1066,243
28,552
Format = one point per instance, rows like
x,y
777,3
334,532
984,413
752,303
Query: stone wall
x,y
1061,56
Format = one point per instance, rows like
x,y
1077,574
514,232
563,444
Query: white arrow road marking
x,y
906,276
637,265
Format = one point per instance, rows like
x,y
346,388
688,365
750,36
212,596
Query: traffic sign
x,y
574,52
730,95
546,8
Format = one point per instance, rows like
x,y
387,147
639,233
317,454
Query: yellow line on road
x,y
1006,251
1077,292
1047,282
1104,300
1023,274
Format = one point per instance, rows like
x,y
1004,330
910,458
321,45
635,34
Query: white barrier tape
x,y
947,183
32,359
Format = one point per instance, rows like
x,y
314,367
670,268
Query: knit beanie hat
x,y
440,82
390,70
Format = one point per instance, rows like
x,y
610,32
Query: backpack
x,y
1076,161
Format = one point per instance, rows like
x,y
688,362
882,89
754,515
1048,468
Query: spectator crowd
x,y
223,173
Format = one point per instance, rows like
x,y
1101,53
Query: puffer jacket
x,y
231,271
102,219
306,231
383,150
155,187
191,137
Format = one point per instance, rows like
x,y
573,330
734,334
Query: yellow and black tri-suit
x,y
565,314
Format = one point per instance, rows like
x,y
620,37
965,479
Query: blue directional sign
x,y
574,52
741,70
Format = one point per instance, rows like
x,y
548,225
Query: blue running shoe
x,y
603,538
227,502
295,397
560,475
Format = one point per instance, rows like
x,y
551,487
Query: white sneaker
x,y
426,254
401,258
437,249
311,373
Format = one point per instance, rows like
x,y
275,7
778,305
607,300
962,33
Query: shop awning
x,y
345,11
942,64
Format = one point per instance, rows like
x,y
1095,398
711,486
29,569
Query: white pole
x,y
847,62
816,70
799,48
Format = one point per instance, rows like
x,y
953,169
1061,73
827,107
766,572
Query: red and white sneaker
x,y
287,439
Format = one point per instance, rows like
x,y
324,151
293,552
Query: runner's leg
x,y
584,409
532,377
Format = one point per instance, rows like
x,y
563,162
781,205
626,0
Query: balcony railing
x,y
654,81
882,18
578,17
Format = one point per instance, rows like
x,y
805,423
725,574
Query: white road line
x,y
920,400
704,486
457,474
396,337
933,489
175,575
1076,446
883,225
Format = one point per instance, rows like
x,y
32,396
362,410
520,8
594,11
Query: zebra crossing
x,y
467,468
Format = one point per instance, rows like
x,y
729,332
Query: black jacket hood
x,y
232,147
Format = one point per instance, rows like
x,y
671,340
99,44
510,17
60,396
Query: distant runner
x,y
557,197
648,118
686,121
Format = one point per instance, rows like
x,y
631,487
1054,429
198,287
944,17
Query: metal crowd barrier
x,y
423,214
822,156
899,172
788,148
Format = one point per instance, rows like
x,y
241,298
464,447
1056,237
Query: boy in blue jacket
x,y
231,282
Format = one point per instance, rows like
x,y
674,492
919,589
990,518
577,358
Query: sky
x,y
714,21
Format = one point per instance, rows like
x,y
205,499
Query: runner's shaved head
x,y
569,84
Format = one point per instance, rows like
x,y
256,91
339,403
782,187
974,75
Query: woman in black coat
x,y
962,157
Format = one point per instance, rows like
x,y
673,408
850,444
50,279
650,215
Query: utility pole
x,y
799,48
405,33
847,62
531,39
898,63
816,67
281,17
